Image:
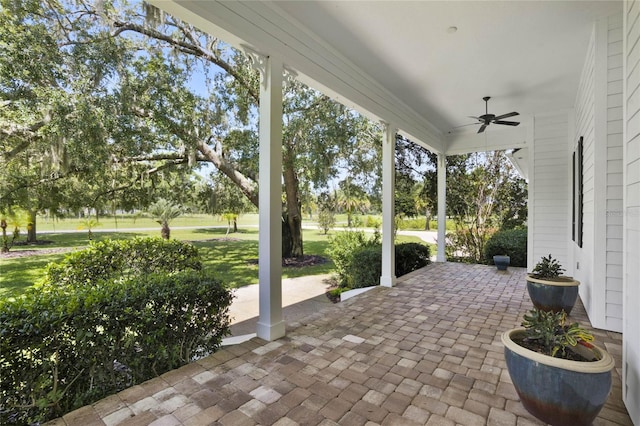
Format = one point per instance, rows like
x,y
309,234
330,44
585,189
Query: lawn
x,y
232,257
124,222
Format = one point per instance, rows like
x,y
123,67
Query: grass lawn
x,y
231,258
132,222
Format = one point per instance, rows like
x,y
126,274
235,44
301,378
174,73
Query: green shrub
x,y
416,224
326,220
373,222
411,256
105,318
511,242
343,245
365,268
122,258
61,349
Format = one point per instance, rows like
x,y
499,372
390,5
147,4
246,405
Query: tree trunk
x,y
165,231
286,237
235,224
250,189
293,208
5,240
427,215
31,227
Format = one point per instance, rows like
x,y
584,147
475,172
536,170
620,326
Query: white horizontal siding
x,y
614,178
549,185
631,207
585,127
600,122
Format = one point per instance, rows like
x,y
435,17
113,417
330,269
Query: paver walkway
x,y
425,352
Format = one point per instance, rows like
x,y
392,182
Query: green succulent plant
x,y
547,268
552,333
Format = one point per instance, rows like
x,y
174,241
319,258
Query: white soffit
x,y
401,61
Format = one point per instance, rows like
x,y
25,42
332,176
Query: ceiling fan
x,y
487,118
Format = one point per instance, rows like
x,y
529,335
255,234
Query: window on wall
x,y
578,193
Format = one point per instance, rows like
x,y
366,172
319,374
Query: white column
x,y
442,206
388,277
270,322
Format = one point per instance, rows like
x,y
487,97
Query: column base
x,y
270,332
387,281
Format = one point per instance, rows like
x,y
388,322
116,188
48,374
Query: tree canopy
x,y
100,98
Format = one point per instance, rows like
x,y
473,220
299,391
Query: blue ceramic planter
x,y
558,391
501,262
553,295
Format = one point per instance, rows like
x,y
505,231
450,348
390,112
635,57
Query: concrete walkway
x,y
427,351
301,297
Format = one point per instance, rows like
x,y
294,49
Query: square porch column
x,y
442,207
270,321
388,277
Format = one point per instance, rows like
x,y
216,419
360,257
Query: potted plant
x,y
501,262
560,376
549,289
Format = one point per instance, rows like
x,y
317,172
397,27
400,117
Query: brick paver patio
x,y
427,351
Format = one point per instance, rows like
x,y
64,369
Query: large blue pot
x,y
556,296
559,391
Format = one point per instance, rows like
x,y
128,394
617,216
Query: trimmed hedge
x,y
123,258
65,346
342,246
365,268
411,256
510,242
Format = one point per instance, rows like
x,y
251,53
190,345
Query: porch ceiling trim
x,y
268,29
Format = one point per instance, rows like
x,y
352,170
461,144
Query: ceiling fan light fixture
x,y
486,119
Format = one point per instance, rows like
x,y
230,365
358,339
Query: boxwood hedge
x,y
365,267
510,242
123,258
65,346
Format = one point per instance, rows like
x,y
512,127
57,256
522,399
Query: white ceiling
x,y
399,61
526,55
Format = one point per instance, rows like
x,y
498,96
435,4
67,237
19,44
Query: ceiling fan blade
x,y
475,118
464,125
511,114
508,123
484,126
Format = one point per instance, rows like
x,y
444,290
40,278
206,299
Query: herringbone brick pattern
x,y
427,351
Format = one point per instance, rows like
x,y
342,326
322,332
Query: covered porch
x,y
426,351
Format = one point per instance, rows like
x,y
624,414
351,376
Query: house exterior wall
x,y
549,184
598,263
612,154
631,207
586,128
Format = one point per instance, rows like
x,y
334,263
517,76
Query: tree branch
x,y
37,183
307,108
191,48
140,176
247,186
26,132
